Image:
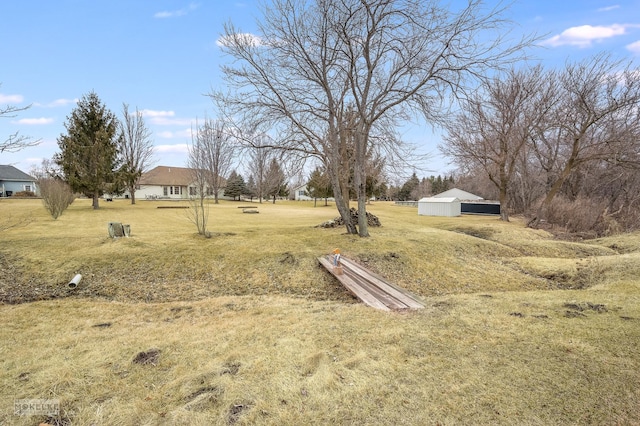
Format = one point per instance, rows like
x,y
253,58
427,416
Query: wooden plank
x,y
402,295
357,290
387,299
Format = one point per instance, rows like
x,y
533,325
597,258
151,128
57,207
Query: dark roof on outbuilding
x,y
11,173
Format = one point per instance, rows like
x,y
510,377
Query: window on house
x,y
192,191
301,192
176,190
165,191
27,188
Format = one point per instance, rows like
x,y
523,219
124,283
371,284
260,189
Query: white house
x,y
301,193
432,206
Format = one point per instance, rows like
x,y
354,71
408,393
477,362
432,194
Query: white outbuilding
x,y
443,206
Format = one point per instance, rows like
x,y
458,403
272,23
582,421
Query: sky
x,y
162,57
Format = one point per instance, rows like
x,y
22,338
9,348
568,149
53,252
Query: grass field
x,y
245,328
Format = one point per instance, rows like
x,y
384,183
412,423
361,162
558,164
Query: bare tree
x,y
16,141
197,162
259,155
218,154
495,125
136,148
596,119
328,69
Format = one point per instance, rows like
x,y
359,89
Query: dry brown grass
x,y
250,331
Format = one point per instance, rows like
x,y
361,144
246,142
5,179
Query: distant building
x,y
471,203
13,180
167,182
442,206
301,193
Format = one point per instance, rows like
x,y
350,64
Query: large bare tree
x,y
135,147
15,141
322,70
495,125
597,119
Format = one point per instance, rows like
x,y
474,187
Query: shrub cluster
x,y
25,194
591,217
56,195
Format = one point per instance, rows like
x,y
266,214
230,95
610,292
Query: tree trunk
x,y
541,213
132,192
360,180
504,214
96,198
342,204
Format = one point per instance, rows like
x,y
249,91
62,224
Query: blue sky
x,y
162,57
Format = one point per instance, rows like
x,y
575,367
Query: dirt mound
x,y
372,220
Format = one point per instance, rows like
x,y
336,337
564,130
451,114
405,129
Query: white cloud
x,y
585,35
609,8
10,99
163,121
180,148
153,113
57,103
176,13
34,121
634,47
247,39
165,135
179,134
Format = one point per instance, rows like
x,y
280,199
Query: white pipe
x,y
75,281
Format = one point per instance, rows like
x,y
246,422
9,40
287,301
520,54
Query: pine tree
x,y
275,181
235,186
252,189
319,185
89,151
408,187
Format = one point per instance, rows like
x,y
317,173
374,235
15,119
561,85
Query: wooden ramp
x,y
372,289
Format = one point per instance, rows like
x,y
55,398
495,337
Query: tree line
x,y
561,146
331,81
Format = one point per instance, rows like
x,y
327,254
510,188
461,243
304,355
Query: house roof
x,y
459,194
438,200
167,176
11,173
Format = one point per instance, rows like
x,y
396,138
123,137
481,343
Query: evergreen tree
x,y
89,150
275,181
252,188
319,185
235,186
408,187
